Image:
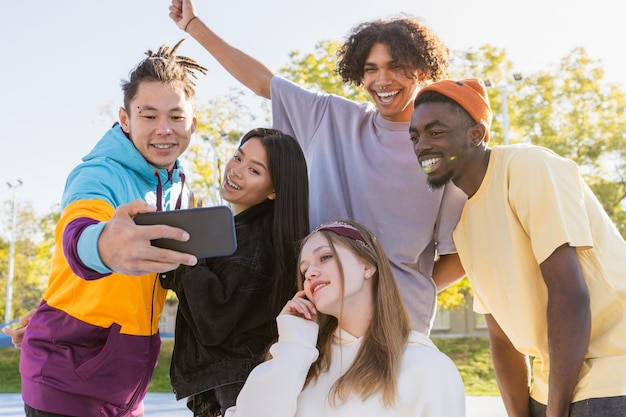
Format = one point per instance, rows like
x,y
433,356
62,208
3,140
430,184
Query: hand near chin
x,y
301,307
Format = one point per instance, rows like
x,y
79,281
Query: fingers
x,y
126,247
176,12
26,318
16,335
135,255
300,306
161,231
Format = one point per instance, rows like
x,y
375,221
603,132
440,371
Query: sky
x,y
63,61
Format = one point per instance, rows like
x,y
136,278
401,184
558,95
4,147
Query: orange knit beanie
x,y
471,94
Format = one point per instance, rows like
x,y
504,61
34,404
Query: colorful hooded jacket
x,y
93,344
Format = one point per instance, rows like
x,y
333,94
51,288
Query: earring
x,y
367,275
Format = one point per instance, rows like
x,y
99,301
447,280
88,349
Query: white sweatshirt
x,y
429,385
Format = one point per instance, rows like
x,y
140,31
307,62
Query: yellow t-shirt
x,y
530,202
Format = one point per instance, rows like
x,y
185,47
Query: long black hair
x,y
288,173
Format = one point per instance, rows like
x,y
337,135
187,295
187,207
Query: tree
x,y
34,242
569,110
578,116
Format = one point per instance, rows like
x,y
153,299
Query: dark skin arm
x,y
511,370
569,326
447,271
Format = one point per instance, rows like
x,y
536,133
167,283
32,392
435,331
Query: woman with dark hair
x,y
227,305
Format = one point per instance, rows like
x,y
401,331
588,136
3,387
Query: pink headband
x,y
342,229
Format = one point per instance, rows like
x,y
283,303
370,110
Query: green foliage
x,y
472,358
568,109
34,241
454,296
161,379
9,370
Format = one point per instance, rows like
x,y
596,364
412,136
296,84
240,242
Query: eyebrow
x,y
428,126
374,65
152,108
254,161
319,248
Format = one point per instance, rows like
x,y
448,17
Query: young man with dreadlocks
x,y
92,344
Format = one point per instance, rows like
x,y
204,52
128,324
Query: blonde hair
x,y
376,367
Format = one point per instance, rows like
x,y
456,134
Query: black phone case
x,y
211,230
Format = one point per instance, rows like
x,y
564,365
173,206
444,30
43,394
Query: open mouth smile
x,y
232,184
430,164
387,96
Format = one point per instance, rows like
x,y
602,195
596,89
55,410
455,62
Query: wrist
x,y
190,20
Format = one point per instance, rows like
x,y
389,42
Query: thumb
x,y
135,207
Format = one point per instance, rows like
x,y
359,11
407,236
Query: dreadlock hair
x,y
411,44
166,67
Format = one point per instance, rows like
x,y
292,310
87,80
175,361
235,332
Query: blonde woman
x,y
345,344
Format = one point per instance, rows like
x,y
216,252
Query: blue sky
x,y
62,61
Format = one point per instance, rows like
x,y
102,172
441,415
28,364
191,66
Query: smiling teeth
x,y
232,184
430,162
387,94
162,145
427,164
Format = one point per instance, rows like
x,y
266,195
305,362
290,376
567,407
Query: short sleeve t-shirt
x,y
362,167
530,202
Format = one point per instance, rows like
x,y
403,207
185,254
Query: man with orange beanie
x,y
544,259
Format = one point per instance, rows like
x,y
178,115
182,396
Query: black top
x,y
225,320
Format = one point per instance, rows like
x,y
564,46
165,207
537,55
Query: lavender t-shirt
x,y
362,167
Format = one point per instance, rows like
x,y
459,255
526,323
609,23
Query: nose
x,y
235,172
421,145
311,273
383,79
164,128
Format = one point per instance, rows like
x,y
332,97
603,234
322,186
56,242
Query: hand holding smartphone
x,y
211,230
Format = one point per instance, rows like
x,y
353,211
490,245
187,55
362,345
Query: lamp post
x,y
505,108
9,307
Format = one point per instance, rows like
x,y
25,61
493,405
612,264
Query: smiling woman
x,y
227,305
328,347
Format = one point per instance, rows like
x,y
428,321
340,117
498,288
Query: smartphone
x,y
211,230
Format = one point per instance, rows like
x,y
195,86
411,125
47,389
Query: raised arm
x,y
247,70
